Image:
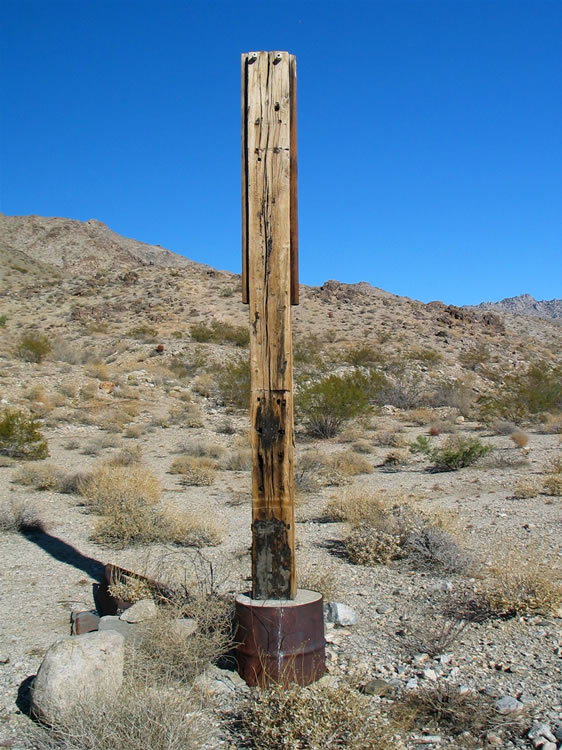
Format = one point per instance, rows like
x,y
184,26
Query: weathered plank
x,y
268,171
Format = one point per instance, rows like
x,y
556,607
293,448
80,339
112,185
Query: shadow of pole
x,y
65,552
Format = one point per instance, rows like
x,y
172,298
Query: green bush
x,y
3,319
220,332
233,381
33,347
524,395
458,453
143,332
20,436
363,356
420,445
327,405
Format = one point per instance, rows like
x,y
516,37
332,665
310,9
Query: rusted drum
x,y
281,640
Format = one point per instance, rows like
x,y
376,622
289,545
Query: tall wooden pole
x,y
269,287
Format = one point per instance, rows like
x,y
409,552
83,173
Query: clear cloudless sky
x,y
430,132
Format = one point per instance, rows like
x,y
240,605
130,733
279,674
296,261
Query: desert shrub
x,y
143,333
526,488
474,357
318,716
405,390
239,459
453,393
40,476
519,438
98,370
431,546
362,446
420,445
394,459
458,453
202,449
186,415
527,586
33,347
444,709
553,424
3,320
221,332
196,472
142,716
319,578
233,381
325,406
20,436
19,517
350,464
363,356
167,651
553,485
523,395
369,545
427,357
130,455
502,427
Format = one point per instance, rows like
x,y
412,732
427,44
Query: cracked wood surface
x,y
269,239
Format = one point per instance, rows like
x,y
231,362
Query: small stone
x,y
445,586
548,745
420,658
384,609
83,622
113,622
430,739
412,684
558,732
377,687
463,689
4,659
459,420
140,611
493,739
509,705
430,674
540,729
340,614
186,626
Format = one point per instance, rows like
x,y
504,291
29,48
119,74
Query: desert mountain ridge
x,y
90,246
525,304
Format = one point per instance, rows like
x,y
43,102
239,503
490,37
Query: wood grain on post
x,y
268,286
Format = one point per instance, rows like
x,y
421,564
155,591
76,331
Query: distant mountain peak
x,y
526,304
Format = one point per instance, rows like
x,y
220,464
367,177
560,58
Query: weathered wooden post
x,y
280,627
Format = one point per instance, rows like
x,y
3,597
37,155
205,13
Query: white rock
x,y
509,705
76,670
540,729
340,614
140,611
412,684
430,674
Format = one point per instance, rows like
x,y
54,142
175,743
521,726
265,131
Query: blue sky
x,y
430,132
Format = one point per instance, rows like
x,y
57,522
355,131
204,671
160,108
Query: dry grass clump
x,y
127,498
318,578
131,454
44,476
309,718
350,464
526,488
202,449
519,438
444,709
553,424
553,482
168,651
525,583
142,716
395,459
240,459
385,527
390,438
195,472
187,415
19,517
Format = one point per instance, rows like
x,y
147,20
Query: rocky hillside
x,y
524,304
88,245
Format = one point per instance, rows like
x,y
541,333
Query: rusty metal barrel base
x,y
280,640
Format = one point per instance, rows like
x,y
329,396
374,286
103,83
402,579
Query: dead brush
x,y
526,488
519,438
308,718
196,472
44,476
19,517
522,582
142,716
444,709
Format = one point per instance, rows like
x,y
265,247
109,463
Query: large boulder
x,y
75,671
